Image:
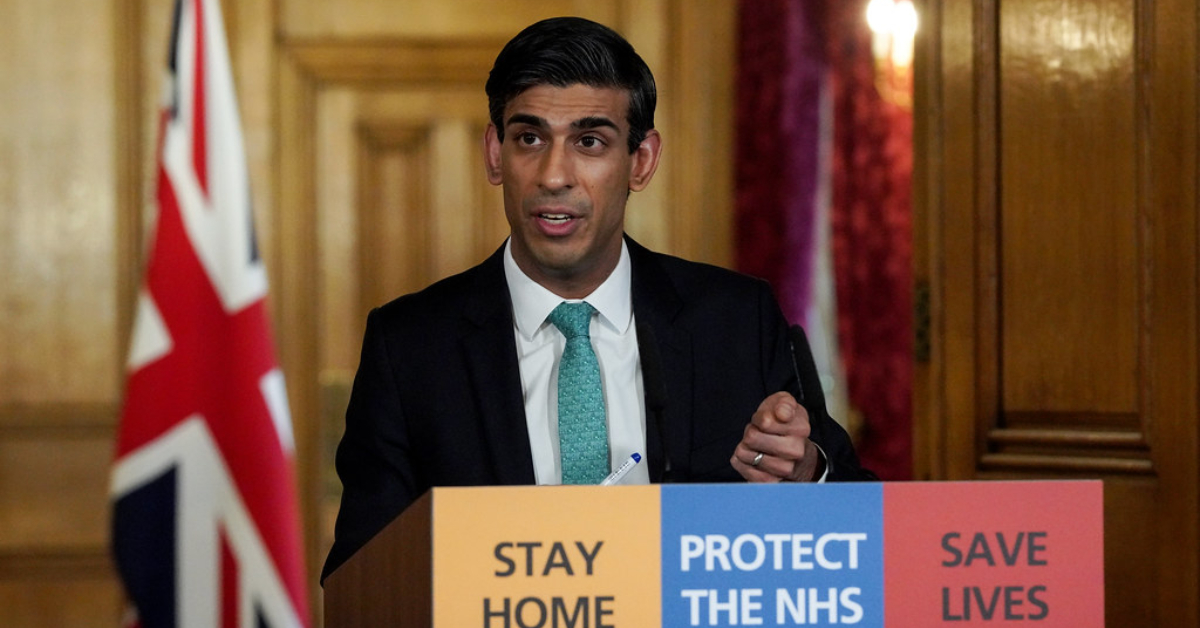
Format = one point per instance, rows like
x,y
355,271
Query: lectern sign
x,y
772,555
915,555
994,554
546,556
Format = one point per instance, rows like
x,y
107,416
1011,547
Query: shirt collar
x,y
532,303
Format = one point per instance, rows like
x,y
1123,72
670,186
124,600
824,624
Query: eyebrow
x,y
589,122
594,122
524,118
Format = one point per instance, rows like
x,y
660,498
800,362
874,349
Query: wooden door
x,y
1056,152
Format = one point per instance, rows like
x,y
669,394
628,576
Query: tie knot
x,y
572,319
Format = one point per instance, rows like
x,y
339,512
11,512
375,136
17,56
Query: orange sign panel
x,y
586,557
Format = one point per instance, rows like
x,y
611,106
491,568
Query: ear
x,y
645,161
491,155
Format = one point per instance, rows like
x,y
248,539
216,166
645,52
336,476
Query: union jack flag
x,y
205,521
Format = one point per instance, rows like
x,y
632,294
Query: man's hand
x,y
778,432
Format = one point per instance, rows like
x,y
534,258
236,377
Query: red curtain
x,y
782,77
872,245
784,45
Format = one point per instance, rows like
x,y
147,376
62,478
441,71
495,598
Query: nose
x,y
557,168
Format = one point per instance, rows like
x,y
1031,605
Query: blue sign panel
x,y
772,555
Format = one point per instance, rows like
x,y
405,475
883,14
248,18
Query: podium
x,y
899,555
389,581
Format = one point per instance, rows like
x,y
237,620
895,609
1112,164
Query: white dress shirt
x,y
614,339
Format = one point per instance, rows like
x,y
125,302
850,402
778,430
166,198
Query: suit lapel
x,y
489,351
656,303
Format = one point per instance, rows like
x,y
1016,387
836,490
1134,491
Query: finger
x,y
789,447
785,408
763,462
778,414
797,428
770,407
744,452
805,469
753,457
750,473
774,399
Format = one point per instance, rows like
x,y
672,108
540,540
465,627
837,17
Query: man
x,y
467,382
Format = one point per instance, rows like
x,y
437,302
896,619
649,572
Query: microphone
x,y
797,339
655,390
812,395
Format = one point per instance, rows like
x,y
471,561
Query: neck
x,y
572,282
569,287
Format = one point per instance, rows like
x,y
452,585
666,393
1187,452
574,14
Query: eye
x,y
591,141
528,139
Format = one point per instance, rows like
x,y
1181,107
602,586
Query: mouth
x,y
557,222
555,218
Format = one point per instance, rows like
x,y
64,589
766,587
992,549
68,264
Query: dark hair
x,y
565,51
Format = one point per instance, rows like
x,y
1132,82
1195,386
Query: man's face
x,y
567,171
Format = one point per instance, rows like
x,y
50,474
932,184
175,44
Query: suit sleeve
x,y
373,459
791,363
841,458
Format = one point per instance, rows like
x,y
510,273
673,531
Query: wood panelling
x,y
1056,180
53,491
393,60
449,19
393,164
697,100
339,222
1068,91
61,602
66,253
57,194
77,418
59,588
362,123
1168,116
297,319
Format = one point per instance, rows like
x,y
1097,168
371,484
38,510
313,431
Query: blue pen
x,y
616,476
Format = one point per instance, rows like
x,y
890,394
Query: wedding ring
x,y
757,459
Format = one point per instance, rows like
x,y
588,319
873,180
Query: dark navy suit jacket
x,y
437,398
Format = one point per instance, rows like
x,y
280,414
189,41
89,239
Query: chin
x,y
560,265
557,254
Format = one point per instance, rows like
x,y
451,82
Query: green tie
x,y
582,430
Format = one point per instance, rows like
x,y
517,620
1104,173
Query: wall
x,y
363,122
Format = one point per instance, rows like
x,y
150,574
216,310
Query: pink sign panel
x,y
994,554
